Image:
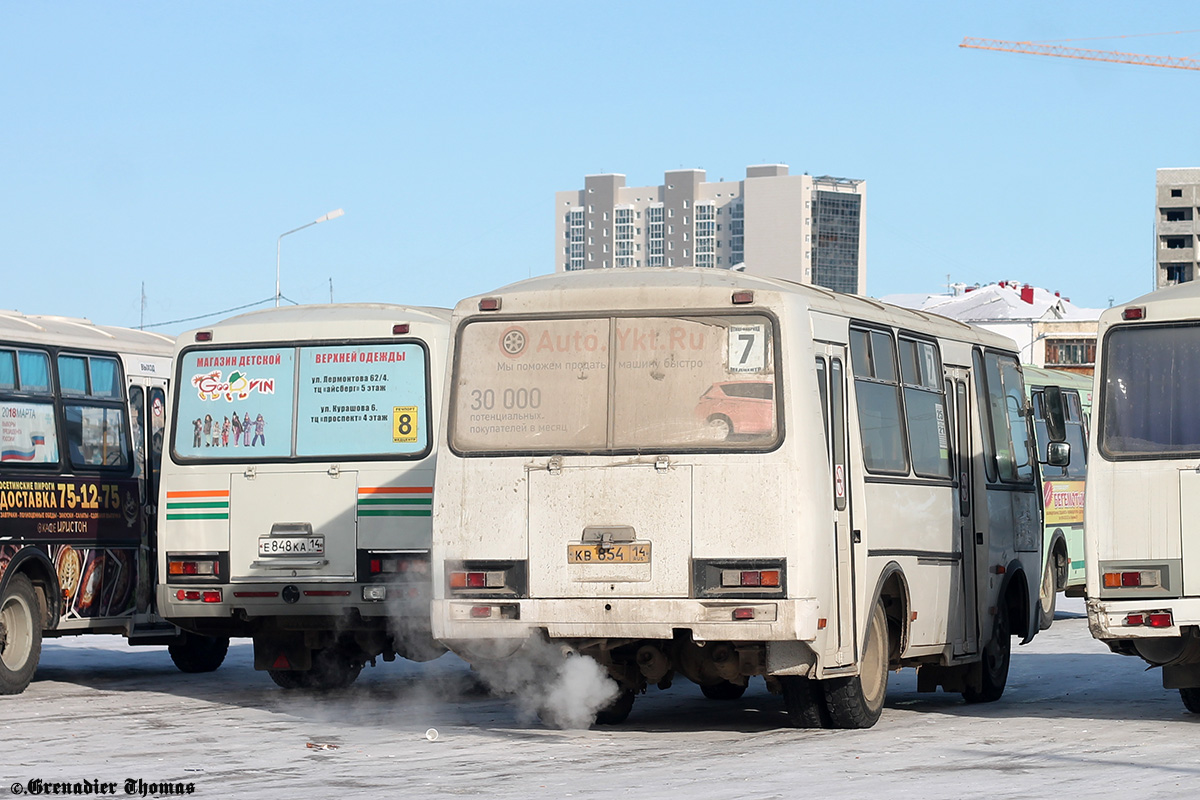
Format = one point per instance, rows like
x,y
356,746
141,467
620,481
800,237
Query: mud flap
x,y
282,652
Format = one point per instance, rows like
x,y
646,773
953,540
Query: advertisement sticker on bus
x,y
675,381
1063,502
27,433
235,399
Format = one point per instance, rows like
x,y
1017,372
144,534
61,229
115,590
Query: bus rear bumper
x,y
472,620
1142,619
248,602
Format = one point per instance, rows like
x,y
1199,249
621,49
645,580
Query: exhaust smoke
x,y
564,689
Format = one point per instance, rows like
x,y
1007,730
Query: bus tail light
x,y
197,595
739,578
486,578
477,580
193,568
1150,619
751,577
1133,579
197,567
1133,313
393,566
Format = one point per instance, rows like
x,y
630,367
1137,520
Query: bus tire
x,y
993,662
288,678
857,702
193,653
332,668
1191,699
617,711
724,690
805,702
20,635
1049,592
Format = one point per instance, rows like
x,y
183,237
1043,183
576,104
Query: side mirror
x,y
1058,454
1054,409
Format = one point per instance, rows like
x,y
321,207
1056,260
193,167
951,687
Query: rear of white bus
x,y
1142,520
619,482
307,525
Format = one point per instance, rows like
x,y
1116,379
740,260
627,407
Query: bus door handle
x,y
978,537
856,536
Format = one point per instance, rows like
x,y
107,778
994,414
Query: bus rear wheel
x,y
20,635
805,702
1191,699
996,654
618,710
725,690
288,678
1049,591
193,653
332,668
857,702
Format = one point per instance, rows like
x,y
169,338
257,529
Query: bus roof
x,y
320,321
688,287
1041,376
80,333
1181,301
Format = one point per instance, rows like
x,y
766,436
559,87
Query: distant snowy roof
x,y
996,303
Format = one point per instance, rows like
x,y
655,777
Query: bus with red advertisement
x,y
83,408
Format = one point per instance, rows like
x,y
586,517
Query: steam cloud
x,y
564,691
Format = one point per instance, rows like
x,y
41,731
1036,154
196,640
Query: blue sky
x,y
171,143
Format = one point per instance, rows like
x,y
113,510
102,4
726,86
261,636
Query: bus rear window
x,y
320,401
615,384
1148,404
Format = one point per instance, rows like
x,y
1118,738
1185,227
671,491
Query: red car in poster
x,y
738,407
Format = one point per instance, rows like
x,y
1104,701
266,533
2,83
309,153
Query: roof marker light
x,y
203,336
1133,312
489,304
400,330
742,298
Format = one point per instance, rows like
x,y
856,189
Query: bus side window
x,y
877,389
823,386
137,416
964,447
837,398
8,370
158,421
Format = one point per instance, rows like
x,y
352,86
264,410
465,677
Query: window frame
x,y
776,344
428,410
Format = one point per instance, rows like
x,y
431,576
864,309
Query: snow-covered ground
x,y
1075,720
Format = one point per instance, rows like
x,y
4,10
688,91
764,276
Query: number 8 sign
x,y
404,424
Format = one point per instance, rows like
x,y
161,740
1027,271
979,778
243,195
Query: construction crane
x,y
1061,51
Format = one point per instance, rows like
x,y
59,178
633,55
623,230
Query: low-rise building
x,y
1049,329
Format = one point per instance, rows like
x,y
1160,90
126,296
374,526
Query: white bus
x,y
298,486
703,473
1142,513
82,410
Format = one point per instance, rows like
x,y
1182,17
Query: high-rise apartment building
x,y
1177,191
803,228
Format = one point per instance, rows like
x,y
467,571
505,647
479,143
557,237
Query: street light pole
x,y
278,242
